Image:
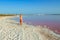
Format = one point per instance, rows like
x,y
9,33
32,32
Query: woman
x,y
21,21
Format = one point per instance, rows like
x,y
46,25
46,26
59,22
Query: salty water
x,y
51,21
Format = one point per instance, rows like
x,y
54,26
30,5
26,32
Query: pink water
x,y
51,21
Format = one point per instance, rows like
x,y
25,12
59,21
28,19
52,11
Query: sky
x,y
29,6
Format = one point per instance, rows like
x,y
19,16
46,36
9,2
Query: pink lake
x,y
51,21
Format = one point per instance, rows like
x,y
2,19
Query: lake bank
x,y
51,21
11,30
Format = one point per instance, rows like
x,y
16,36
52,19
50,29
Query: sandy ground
x,y
12,30
5,17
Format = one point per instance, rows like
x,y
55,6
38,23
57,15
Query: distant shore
x,y
5,17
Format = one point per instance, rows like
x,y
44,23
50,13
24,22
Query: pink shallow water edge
x,y
51,25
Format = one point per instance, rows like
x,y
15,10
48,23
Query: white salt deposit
x,y
11,30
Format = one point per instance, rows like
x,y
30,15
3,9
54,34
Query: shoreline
x,y
6,17
13,28
57,31
45,26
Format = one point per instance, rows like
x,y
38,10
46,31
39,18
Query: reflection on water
x,y
52,21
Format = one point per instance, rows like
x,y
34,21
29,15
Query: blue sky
x,y
30,6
